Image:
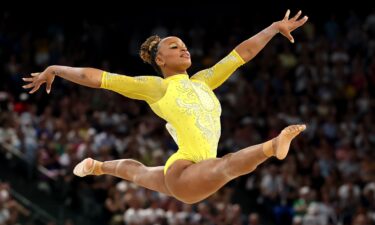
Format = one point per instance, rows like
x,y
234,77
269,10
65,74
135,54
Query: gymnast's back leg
x,y
128,169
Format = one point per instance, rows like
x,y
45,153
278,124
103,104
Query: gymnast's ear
x,y
159,60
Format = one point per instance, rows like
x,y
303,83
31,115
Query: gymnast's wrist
x,y
275,27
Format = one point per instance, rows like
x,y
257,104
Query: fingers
x,y
34,84
290,37
36,87
297,15
286,17
28,79
34,74
290,25
48,87
28,85
295,18
302,21
49,84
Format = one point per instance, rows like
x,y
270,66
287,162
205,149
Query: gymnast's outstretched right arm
x,y
147,88
84,76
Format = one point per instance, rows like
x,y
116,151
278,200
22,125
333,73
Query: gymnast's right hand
x,y
37,79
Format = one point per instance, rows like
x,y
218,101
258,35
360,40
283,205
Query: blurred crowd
x,y
10,209
326,80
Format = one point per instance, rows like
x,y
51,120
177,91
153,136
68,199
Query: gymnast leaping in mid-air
x,y
191,110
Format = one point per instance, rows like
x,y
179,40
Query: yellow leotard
x,y
189,105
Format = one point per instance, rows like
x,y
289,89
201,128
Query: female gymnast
x,y
192,113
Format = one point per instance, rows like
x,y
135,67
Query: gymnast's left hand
x,y
286,25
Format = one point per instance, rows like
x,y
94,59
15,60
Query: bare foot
x,y
282,142
84,168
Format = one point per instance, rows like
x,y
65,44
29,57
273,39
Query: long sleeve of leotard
x,y
220,72
147,88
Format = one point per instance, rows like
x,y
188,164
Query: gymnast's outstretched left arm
x,y
249,48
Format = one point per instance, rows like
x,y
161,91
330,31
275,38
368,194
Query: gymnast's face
x,y
173,55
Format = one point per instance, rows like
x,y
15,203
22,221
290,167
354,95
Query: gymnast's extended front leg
x,y
128,169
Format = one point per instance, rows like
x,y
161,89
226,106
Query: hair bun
x,y
146,48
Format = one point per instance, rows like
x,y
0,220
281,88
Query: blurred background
x,y
326,80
